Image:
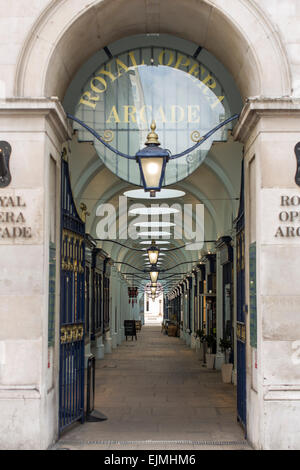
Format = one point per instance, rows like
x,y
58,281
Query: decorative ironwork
x,y
72,315
196,137
71,333
5,152
98,137
240,324
84,212
241,332
171,157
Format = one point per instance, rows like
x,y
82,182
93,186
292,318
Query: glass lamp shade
x,y
154,276
153,253
152,172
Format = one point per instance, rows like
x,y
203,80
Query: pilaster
x,y
270,131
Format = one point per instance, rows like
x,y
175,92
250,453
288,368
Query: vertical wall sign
x,y
5,152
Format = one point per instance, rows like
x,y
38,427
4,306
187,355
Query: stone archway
x,y
234,32
51,56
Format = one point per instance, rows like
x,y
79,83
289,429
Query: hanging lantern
x,y
152,161
153,253
154,275
132,294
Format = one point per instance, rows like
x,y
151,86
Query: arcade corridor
x,y
156,389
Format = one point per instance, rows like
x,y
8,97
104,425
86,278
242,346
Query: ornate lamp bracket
x,y
297,153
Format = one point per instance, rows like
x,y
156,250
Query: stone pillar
x,y
192,298
219,291
107,343
119,316
87,353
29,350
270,130
113,320
181,306
99,348
184,309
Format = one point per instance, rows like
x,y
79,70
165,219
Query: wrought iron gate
x,y
241,324
71,387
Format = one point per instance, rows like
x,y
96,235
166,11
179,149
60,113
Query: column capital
x,y
50,108
258,107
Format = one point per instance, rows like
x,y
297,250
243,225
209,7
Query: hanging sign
x,y
122,97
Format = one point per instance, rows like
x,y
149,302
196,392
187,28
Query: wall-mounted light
x,y
5,152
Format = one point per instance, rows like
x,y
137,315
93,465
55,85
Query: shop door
x,y
71,379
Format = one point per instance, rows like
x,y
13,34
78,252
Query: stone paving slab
x,y
157,395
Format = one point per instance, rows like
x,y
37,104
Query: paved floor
x,y
157,395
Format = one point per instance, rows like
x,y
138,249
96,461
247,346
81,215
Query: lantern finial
x,y
152,137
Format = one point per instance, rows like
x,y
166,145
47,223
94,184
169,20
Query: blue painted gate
x,y
72,278
241,324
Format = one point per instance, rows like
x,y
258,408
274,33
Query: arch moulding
x,y
237,32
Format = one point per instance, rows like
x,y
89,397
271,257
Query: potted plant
x,y
211,354
226,369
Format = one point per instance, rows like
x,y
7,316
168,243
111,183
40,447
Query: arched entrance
x,y
218,28
66,35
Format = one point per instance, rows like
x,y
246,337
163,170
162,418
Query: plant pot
x,y
226,371
210,360
200,351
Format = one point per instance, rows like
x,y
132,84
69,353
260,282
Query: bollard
x,y
91,414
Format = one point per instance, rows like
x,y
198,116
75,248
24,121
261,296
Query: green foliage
x,y
200,334
210,340
225,344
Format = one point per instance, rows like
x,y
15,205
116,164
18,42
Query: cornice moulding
x,y
258,107
51,109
